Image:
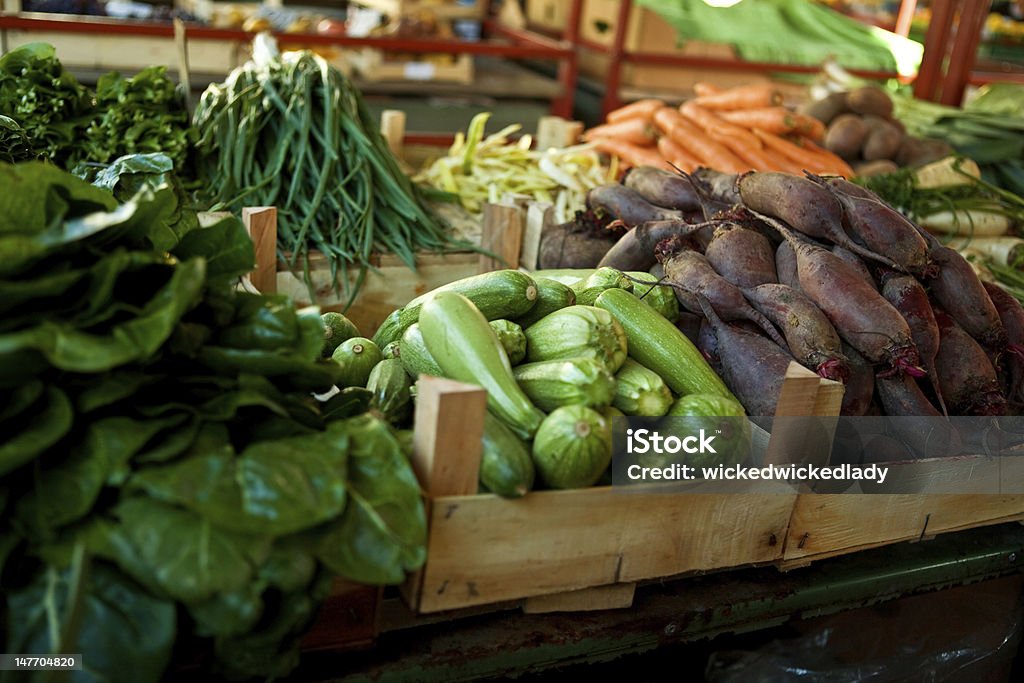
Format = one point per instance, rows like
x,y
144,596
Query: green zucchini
x,y
658,345
567,276
573,447
661,298
641,391
551,296
551,384
577,332
465,347
392,350
357,357
390,386
414,355
512,339
506,467
612,412
499,294
589,289
337,328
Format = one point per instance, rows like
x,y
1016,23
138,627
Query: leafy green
x,y
50,420
383,531
112,612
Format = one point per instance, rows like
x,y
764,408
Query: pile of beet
x,y
772,267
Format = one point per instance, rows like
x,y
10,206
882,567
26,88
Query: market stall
x,y
271,384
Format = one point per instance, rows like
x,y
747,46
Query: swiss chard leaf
x,y
225,246
229,614
186,555
50,419
113,611
382,533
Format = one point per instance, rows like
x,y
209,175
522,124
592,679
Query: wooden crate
x,y
373,65
581,549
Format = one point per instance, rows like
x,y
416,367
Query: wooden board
x,y
829,525
485,549
439,10
373,65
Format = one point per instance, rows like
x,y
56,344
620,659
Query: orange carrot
x,y
643,109
676,154
703,89
757,159
806,158
776,120
809,126
632,155
634,131
711,122
831,162
688,136
752,96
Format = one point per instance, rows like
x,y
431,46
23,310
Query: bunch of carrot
x,y
741,129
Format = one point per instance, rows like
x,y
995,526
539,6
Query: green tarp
x,y
789,32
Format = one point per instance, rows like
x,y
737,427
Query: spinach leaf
x,y
231,613
113,613
382,533
37,196
225,246
50,419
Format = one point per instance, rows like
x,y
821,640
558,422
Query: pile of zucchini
x,y
560,354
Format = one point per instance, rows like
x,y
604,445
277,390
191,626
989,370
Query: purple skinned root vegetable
x,y
662,188
753,366
785,265
856,262
881,228
691,274
809,335
628,206
1011,313
930,435
908,296
859,314
716,186
707,344
806,206
743,257
860,388
968,380
636,249
689,324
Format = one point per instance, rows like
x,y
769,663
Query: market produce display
x,y
167,478
556,370
741,129
782,267
482,169
66,123
289,130
863,131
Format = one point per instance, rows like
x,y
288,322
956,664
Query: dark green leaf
x,y
225,245
19,399
275,487
114,613
348,402
50,419
187,556
229,614
302,374
383,531
290,567
68,485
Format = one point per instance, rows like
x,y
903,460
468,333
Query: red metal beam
x,y
568,68
964,51
905,17
936,44
557,48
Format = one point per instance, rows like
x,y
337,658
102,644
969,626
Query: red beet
x,y
628,206
968,380
752,365
743,257
662,188
809,335
1011,313
860,388
915,421
859,313
635,249
909,298
716,186
691,274
856,262
881,228
806,206
785,265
